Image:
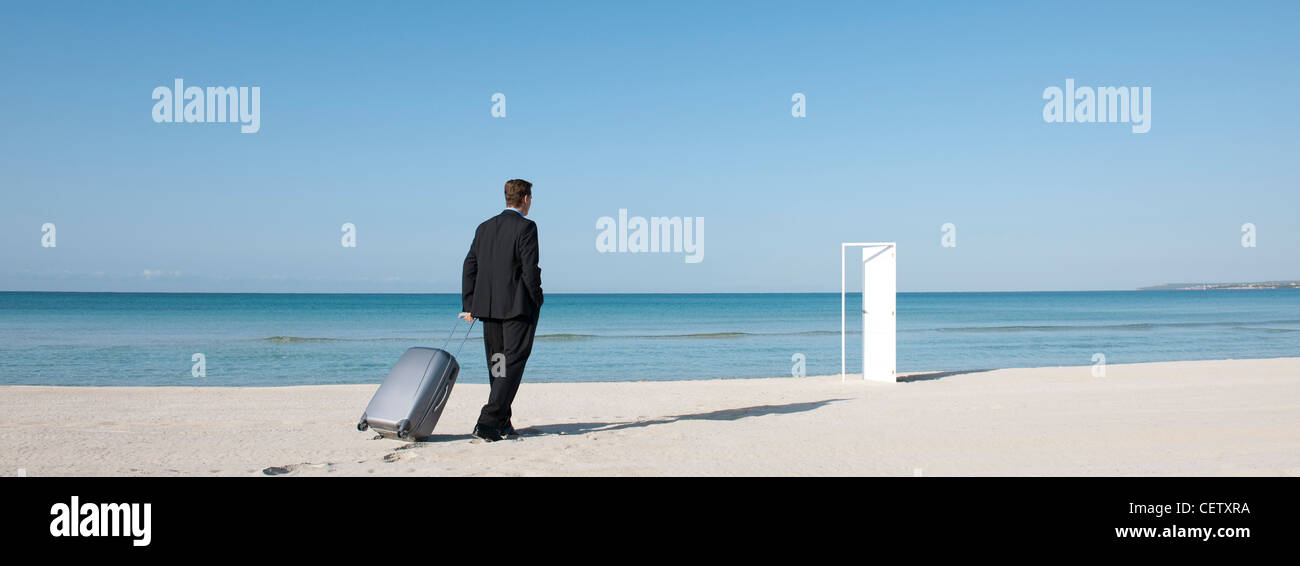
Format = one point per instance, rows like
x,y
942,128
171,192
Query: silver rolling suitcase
x,y
409,402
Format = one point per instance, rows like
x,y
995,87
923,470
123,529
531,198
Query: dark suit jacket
x,y
501,278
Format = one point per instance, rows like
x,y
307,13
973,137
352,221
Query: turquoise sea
x,y
294,339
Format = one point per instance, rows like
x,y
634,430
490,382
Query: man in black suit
x,y
502,286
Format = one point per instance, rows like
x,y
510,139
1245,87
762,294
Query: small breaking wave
x,y
563,337
299,339
1131,326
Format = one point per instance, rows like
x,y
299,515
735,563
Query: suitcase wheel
x,y
363,425
403,429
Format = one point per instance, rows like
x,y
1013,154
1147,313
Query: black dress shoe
x,y
487,434
509,431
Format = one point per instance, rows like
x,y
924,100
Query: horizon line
x,y
591,292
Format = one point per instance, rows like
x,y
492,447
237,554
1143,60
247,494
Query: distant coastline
x,y
1223,286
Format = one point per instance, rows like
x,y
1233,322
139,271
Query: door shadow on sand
x,y
719,415
932,375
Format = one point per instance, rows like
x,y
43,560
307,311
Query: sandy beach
x,y
1231,417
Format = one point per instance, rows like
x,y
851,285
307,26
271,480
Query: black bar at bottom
x,y
326,515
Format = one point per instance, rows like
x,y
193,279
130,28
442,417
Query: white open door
x,y
879,313
879,310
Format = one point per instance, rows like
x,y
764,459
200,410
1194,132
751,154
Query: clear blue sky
x,y
918,114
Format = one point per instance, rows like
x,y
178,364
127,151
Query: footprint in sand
x,y
291,468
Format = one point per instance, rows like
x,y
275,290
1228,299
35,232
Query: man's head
x,y
519,195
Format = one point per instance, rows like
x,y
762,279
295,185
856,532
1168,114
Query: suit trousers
x,y
507,343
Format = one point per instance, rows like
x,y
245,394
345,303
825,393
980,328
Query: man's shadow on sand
x,y
719,415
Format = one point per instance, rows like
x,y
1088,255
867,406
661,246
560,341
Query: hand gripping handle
x,y
463,340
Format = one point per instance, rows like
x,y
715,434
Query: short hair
x,y
516,190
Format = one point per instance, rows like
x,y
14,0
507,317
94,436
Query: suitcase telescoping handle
x,y
453,331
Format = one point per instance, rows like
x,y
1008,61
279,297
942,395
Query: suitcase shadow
x,y
440,438
719,415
